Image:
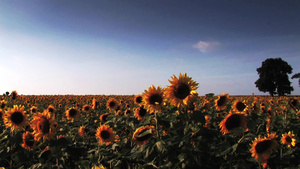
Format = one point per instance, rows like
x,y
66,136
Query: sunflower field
x,y
171,127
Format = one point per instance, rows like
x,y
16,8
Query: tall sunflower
x,y
72,113
154,99
28,141
140,112
44,126
143,134
14,94
289,139
180,89
239,106
138,99
221,102
15,118
112,104
261,148
105,134
233,121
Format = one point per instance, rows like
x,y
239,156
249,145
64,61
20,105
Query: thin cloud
x,y
206,46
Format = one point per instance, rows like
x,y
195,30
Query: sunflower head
x,y
233,121
14,94
28,141
138,99
103,117
143,134
105,134
44,126
51,109
112,104
294,103
140,112
289,139
221,102
3,104
261,148
15,118
82,131
86,108
153,99
72,113
180,89
33,110
239,106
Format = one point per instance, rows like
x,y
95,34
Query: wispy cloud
x,y
206,46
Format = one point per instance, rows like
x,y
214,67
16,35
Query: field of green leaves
x,y
170,127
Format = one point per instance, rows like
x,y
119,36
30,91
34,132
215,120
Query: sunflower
x,y
15,118
103,117
233,121
14,94
221,102
51,109
289,139
3,104
143,134
294,103
261,148
105,134
86,108
33,109
72,113
44,126
138,99
140,113
28,141
95,104
128,112
153,99
180,89
82,131
112,104
239,106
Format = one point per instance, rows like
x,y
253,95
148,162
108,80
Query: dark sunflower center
x,y
112,104
104,134
240,106
221,101
142,112
72,112
86,108
288,139
104,117
51,110
155,98
145,137
233,121
44,125
17,117
29,141
2,105
33,110
182,91
263,146
139,99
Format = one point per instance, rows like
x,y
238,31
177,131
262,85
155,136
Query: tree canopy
x,y
273,77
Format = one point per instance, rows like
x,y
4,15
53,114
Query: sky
x,y
123,47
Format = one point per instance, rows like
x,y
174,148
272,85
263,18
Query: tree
x,y
297,75
273,77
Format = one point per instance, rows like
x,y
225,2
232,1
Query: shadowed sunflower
x,y
15,118
33,110
233,121
180,89
239,106
28,141
143,134
289,139
128,112
294,103
44,126
105,134
82,131
261,148
14,94
103,117
72,113
138,99
140,113
86,108
112,104
221,102
153,99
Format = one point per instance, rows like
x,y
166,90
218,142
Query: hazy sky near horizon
x,y
123,47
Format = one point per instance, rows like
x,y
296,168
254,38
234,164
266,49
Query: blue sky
x,y
123,47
